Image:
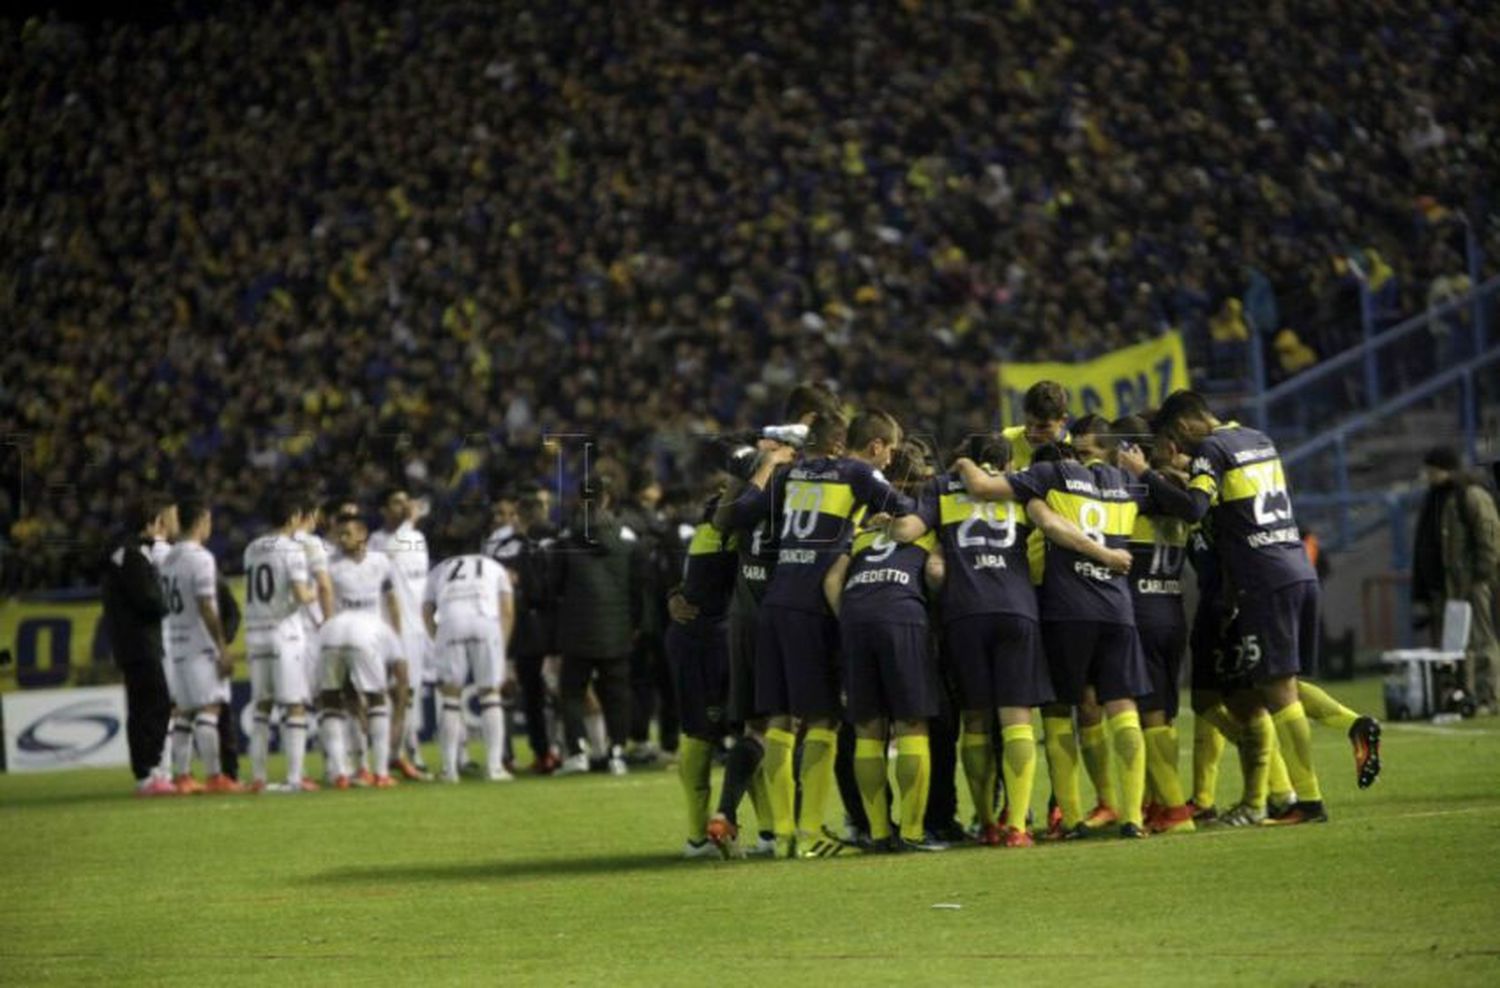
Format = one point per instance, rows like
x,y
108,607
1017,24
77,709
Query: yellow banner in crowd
x,y
64,643
1119,383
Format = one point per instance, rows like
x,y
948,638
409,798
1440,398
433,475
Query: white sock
x,y
182,746
380,737
260,746
206,735
335,746
450,729
164,764
598,736
294,736
492,719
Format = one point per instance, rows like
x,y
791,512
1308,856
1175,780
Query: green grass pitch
x,y
577,881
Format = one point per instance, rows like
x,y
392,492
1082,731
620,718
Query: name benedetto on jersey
x,y
1158,549
1098,499
984,549
273,563
1240,472
812,508
885,582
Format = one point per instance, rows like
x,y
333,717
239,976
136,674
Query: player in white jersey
x,y
355,644
179,729
469,609
404,543
322,608
277,587
196,646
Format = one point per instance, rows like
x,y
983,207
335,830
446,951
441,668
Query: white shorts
x,y
278,663
392,647
470,648
418,650
194,681
351,646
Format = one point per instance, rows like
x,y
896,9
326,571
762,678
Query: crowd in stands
x,y
407,241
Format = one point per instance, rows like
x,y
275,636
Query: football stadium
x,y
911,492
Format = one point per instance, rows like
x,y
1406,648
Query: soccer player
x,y
1088,624
404,543
469,609
353,645
277,587
796,670
317,551
1045,409
697,646
1237,475
197,647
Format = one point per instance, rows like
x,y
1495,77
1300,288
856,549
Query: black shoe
x,y
1079,832
1303,811
1364,734
951,832
927,843
1131,832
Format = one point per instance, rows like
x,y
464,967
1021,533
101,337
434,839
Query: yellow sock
x,y
1295,734
760,798
1228,725
1130,750
870,775
1020,771
694,760
978,756
1062,768
1278,779
913,777
1255,758
1094,744
1208,748
1161,765
1323,708
818,750
781,784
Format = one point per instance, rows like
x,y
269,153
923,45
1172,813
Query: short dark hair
x,y
870,425
987,448
827,430
334,505
1046,400
1179,405
1053,453
190,510
1442,458
1132,429
386,493
809,398
145,508
281,506
1091,425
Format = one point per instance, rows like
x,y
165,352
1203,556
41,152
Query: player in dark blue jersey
x,y
1088,622
812,505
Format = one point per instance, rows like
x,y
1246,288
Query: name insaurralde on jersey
x,y
358,585
1098,499
273,563
1240,472
984,551
1158,550
407,548
188,575
812,508
885,581
466,587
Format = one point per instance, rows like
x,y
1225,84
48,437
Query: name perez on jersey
x,y
1093,571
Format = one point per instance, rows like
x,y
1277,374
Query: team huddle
x,y
344,628
842,591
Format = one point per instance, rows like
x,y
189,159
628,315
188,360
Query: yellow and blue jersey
x,y
984,551
1158,550
885,581
709,570
1239,472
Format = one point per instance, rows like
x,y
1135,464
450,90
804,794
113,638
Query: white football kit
x,y
189,574
407,549
466,592
317,552
357,641
275,633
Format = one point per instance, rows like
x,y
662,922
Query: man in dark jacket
x,y
134,608
651,690
594,571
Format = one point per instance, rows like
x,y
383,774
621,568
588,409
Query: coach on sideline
x,y
134,607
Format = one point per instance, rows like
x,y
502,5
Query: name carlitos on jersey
x,y
1161,588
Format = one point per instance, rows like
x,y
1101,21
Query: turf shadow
x,y
501,870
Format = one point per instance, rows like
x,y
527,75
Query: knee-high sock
x,y
450,728
358,743
819,748
1208,748
740,770
260,745
913,779
492,723
335,739
380,737
1161,765
870,774
978,755
1255,758
1295,735
760,798
1062,768
1093,743
598,732
1130,755
294,737
1019,771
780,781
182,746
694,761
1278,779
206,739
1321,706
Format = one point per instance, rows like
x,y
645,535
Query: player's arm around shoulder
x,y
982,484
833,583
